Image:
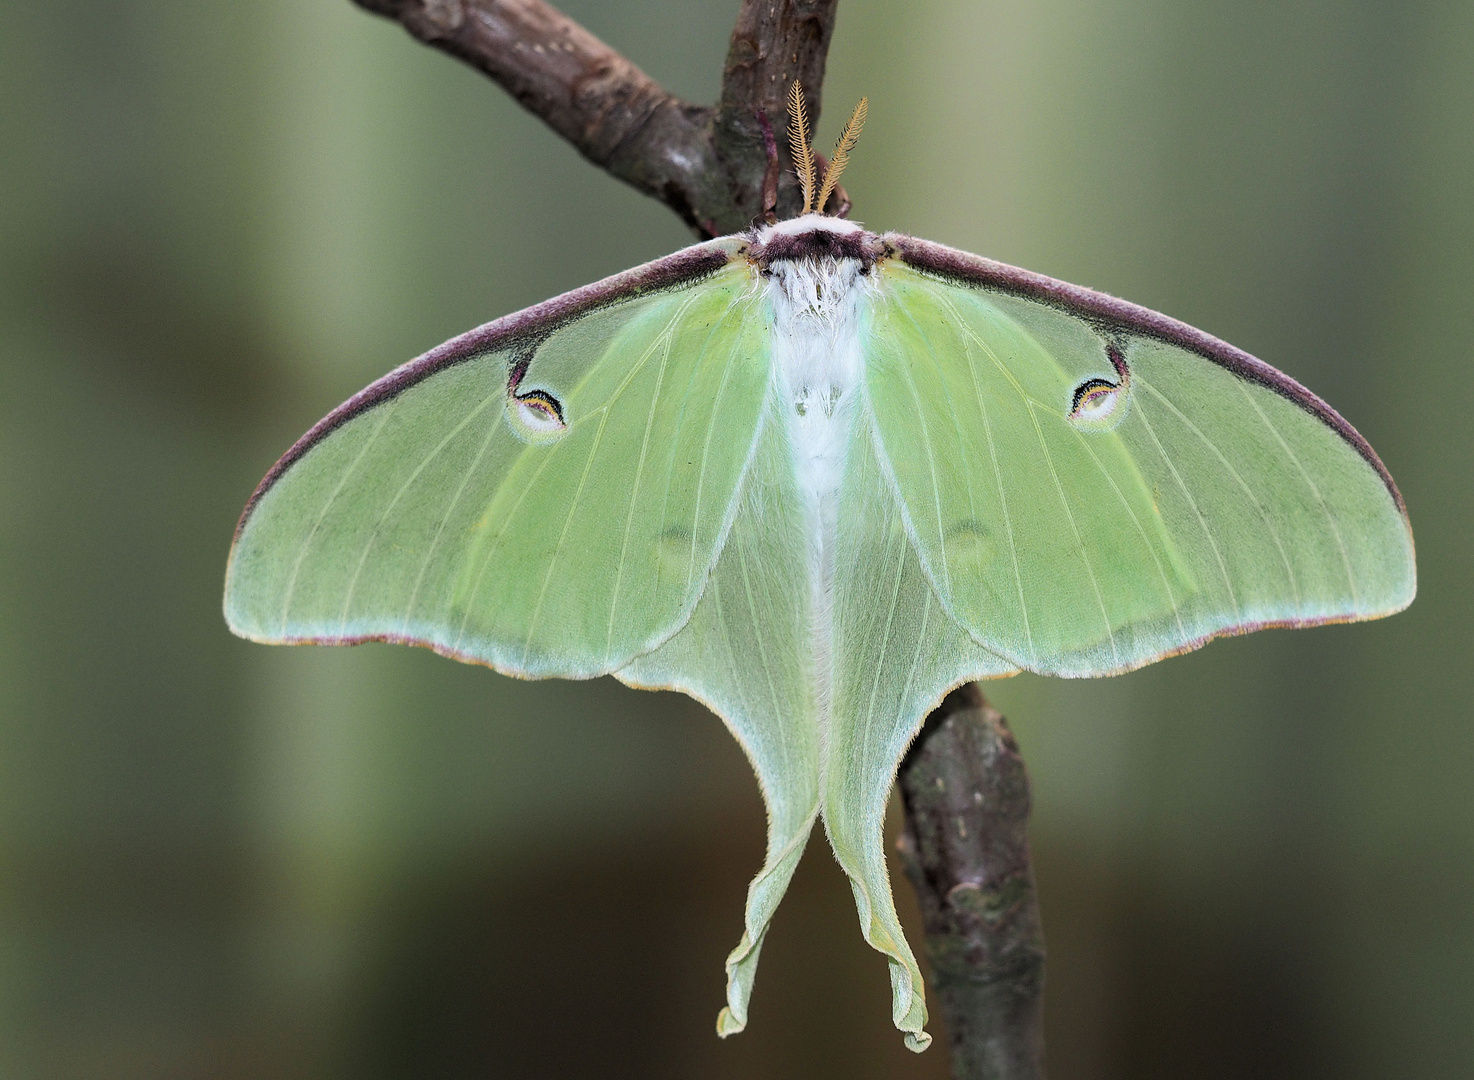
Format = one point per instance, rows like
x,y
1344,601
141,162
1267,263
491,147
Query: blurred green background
x,y
217,220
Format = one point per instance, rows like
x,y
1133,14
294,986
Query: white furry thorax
x,y
817,296
816,305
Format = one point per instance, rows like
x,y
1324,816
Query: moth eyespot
x,y
536,416
1098,405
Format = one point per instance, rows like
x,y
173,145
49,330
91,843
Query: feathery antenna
x,y
842,148
798,142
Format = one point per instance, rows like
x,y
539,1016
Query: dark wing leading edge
x,y
1092,486
546,494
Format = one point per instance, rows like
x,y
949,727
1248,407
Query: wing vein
x,y
1074,528
885,638
1238,478
762,651
490,555
1018,577
373,535
1315,489
1126,505
322,516
629,518
1140,411
931,460
445,520
675,443
583,480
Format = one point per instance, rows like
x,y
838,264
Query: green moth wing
x,y
1092,486
824,693
545,495
634,479
747,653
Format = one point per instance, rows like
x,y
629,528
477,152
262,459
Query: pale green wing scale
x,y
1092,486
896,653
824,702
1015,474
546,494
748,653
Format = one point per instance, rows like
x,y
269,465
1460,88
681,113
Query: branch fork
x,y
707,163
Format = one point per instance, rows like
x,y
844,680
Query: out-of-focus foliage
x,y
217,220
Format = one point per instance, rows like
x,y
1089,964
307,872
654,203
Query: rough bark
x,y
966,850
772,44
707,163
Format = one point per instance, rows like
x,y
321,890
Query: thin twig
x,y
774,169
706,163
966,850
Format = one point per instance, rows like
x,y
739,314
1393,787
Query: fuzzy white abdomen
x,y
817,305
816,355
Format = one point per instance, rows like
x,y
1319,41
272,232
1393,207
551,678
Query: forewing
x,y
545,495
1092,486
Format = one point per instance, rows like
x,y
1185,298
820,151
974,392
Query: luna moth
x,y
815,477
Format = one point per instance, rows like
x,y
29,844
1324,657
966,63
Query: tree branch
x,y
706,163
772,44
966,850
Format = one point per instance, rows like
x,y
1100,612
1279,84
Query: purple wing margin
x,y
974,270
684,267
